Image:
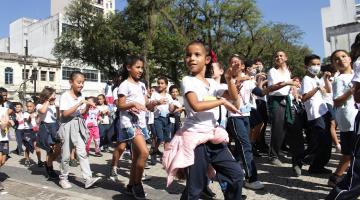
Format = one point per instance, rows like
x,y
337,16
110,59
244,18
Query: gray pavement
x,y
30,183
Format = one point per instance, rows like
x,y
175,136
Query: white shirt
x,y
246,98
67,102
20,120
205,121
49,116
29,124
356,67
4,135
346,113
315,106
161,110
92,117
275,77
134,92
104,117
108,90
115,93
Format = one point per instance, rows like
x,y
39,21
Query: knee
x,y
144,154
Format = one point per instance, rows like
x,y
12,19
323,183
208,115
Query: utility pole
x,y
24,73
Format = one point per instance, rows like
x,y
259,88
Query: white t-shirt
x,y
205,121
315,106
20,120
107,90
49,116
346,113
29,124
115,93
134,92
67,102
4,135
92,117
356,68
161,110
275,77
246,98
104,118
150,117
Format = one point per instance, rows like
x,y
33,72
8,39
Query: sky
x,y
303,13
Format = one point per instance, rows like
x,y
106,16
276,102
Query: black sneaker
x,y
333,180
138,192
153,159
128,190
208,193
27,163
40,163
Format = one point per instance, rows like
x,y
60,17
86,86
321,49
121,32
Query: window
x,y
103,77
43,75
110,4
51,76
91,75
26,75
9,75
66,72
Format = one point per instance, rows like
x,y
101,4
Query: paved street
x,y
30,183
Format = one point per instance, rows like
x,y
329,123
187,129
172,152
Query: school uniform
x,y
104,124
319,120
349,186
162,122
47,135
30,131
19,131
91,122
229,172
4,135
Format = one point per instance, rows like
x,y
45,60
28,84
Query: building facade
x,y
340,24
39,36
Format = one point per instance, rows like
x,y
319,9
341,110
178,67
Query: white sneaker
x,y
256,185
145,177
91,181
114,176
65,184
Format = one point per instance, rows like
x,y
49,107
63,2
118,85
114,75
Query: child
x,y
104,121
18,123
47,136
30,130
133,104
161,117
73,131
4,136
201,105
317,115
239,125
345,111
91,122
175,115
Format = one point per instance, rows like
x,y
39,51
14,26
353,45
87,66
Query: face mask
x,y
260,69
314,70
252,72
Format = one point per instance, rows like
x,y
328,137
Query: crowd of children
x,y
220,107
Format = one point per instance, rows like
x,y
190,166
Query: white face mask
x,y
252,72
314,69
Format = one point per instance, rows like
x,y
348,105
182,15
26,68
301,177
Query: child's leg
x,y
66,149
83,159
333,133
38,151
96,139
140,154
88,143
27,154
19,139
118,151
53,156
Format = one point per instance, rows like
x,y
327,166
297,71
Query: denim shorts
x,y
129,133
4,147
162,129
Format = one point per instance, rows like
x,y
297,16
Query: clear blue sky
x,y
304,13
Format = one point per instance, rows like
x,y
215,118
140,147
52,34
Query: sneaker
x,y
333,180
145,177
256,185
338,148
128,190
159,153
98,154
297,170
276,162
255,152
27,163
91,181
147,166
65,184
138,191
40,163
322,170
153,159
114,176
73,163
208,193
52,174
1,186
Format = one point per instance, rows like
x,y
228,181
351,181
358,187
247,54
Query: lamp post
x,y
35,74
24,73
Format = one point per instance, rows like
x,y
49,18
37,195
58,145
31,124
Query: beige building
x,y
100,6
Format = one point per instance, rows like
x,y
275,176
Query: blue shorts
x,y
162,129
129,133
347,141
331,111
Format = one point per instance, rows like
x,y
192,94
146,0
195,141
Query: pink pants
x,y
94,134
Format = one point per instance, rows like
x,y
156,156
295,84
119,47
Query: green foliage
x,y
160,29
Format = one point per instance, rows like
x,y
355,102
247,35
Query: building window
x,y
8,75
110,4
26,75
51,76
99,2
43,75
91,75
103,77
66,72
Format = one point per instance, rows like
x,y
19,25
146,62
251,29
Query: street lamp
x,y
34,74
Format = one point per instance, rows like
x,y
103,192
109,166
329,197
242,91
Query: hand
x,y
162,101
139,107
229,106
230,73
327,75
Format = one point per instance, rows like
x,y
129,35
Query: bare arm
x,y
340,100
310,94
